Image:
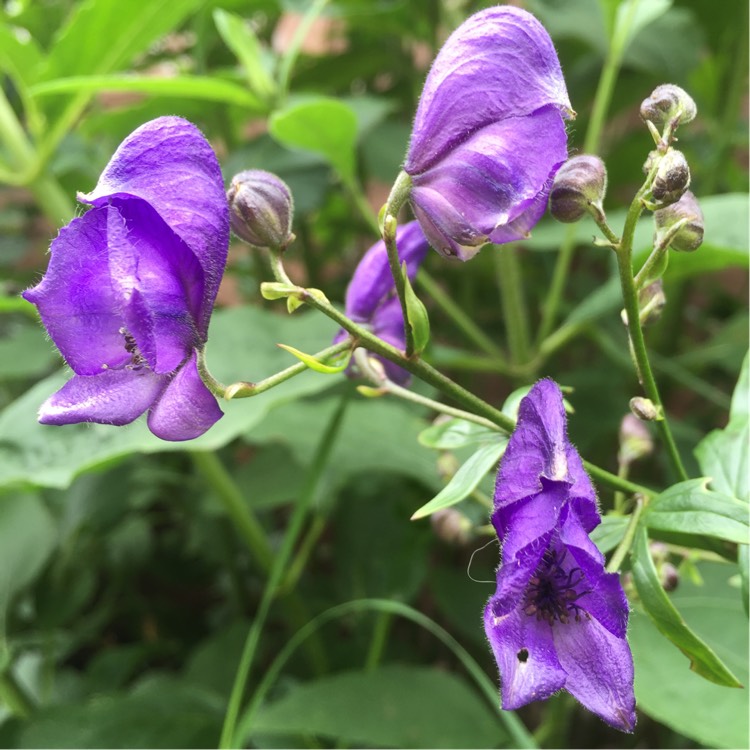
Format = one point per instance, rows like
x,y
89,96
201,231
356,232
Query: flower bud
x,y
680,225
451,526
672,178
668,103
651,302
669,576
644,409
635,440
579,183
261,209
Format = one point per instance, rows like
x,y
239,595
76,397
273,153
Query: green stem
x,y
379,640
591,144
243,389
464,322
519,735
292,53
389,237
306,547
317,467
230,496
627,541
630,296
515,313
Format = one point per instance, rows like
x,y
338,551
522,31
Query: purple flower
x,y
130,286
371,295
489,134
556,620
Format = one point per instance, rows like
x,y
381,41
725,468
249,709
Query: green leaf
x,y
325,126
693,707
416,313
703,660
20,55
691,508
186,87
86,44
723,454
638,15
315,364
242,344
455,433
609,533
392,706
239,37
27,538
466,479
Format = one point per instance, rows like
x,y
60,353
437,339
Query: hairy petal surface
x,y
187,408
499,64
115,397
169,164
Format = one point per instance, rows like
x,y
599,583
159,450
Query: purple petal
x,y
525,653
493,186
372,280
599,669
186,409
80,306
169,164
161,282
499,64
114,397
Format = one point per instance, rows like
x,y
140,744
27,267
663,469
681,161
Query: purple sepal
x,y
489,133
557,620
130,285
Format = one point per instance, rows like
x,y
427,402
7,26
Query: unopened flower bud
x,y
644,409
680,225
451,526
635,440
668,103
672,178
651,302
669,576
261,209
579,183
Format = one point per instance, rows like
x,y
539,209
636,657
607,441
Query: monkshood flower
x,y
557,620
371,297
489,133
130,286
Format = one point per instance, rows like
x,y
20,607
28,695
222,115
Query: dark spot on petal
x,y
523,655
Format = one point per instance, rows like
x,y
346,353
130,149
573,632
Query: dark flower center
x,y
137,360
552,592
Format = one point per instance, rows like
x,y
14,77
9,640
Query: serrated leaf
x,y
393,706
239,37
668,620
691,508
324,126
466,479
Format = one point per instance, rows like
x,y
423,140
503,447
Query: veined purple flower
x,y
130,286
371,295
489,134
557,620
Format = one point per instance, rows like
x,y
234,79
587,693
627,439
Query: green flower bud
x,y
579,183
680,225
261,209
672,178
644,409
651,302
668,103
635,440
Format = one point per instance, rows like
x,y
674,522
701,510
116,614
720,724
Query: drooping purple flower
x,y
371,297
489,133
130,286
557,620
